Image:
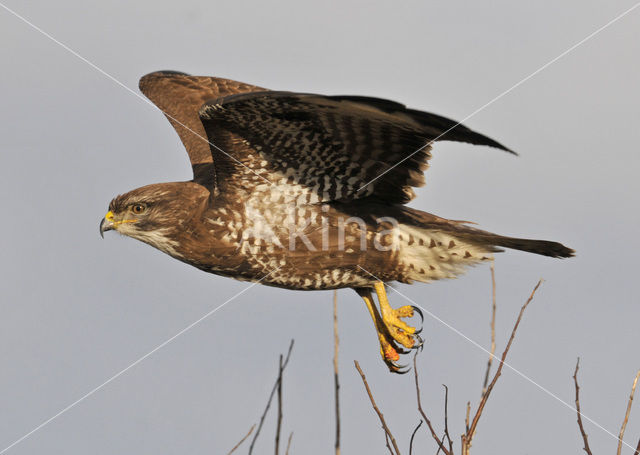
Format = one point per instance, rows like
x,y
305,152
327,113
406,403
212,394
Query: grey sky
x,y
76,309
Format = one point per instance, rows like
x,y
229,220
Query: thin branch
x,y
483,401
466,417
582,432
375,408
336,382
413,435
637,448
242,440
289,443
424,416
386,440
626,415
273,391
463,439
279,421
493,330
446,418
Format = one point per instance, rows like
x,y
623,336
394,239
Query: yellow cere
x,y
109,217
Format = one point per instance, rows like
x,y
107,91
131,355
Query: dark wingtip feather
x,y
491,143
452,130
445,128
479,139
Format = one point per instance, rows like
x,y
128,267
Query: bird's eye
x,y
138,208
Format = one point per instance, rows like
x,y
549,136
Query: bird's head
x,y
154,214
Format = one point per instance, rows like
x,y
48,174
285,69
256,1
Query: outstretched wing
x,y
179,96
337,148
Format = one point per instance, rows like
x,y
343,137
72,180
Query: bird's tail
x,y
445,249
432,248
483,239
543,247
495,242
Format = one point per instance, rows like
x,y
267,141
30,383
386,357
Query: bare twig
x,y
582,432
375,408
626,415
242,440
413,435
279,421
386,440
493,330
637,451
468,437
273,391
336,382
424,416
446,422
446,418
466,417
289,443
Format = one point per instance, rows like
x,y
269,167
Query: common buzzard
x,y
306,192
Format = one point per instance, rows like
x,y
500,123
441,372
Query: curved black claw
x,y
420,344
403,369
398,369
419,312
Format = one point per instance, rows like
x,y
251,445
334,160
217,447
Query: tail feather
x,y
543,247
440,248
492,242
488,239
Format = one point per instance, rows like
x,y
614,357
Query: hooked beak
x,y
107,223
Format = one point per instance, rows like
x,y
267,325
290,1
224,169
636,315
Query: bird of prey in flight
x,y
306,192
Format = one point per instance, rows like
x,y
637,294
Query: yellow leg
x,y
392,332
398,329
387,350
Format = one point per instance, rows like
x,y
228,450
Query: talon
x,y
402,326
405,311
392,364
402,369
395,336
390,353
399,330
419,312
398,369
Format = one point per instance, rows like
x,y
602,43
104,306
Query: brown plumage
x,y
303,191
